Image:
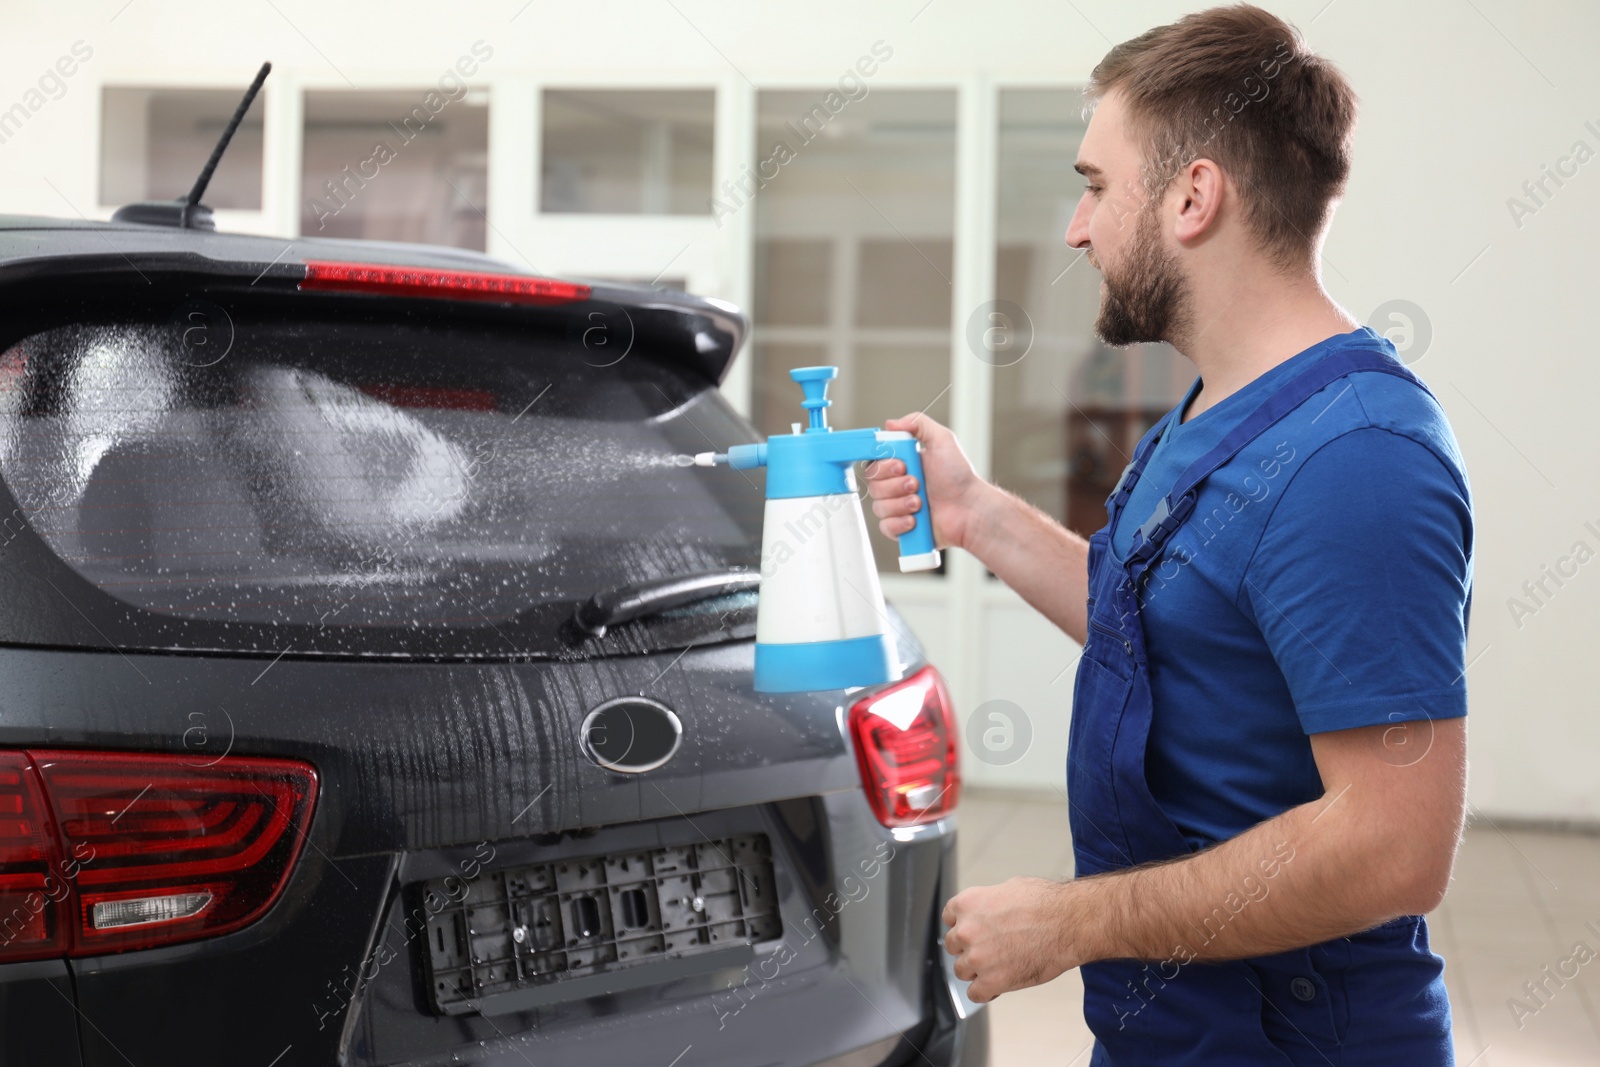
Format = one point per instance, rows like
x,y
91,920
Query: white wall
x,y
1462,103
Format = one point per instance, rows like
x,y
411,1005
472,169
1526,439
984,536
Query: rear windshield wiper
x,y
649,598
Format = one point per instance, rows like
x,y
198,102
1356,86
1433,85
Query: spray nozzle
x,y
739,457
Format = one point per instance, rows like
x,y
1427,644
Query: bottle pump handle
x,y
814,383
917,550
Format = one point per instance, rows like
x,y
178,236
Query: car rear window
x,y
333,473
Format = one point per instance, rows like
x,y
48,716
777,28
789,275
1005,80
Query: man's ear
x,y
1200,188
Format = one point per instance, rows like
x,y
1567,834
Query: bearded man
x,y
1266,759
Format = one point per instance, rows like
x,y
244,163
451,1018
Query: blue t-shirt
x,y
1322,582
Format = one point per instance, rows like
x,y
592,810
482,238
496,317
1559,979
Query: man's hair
x,y
1238,85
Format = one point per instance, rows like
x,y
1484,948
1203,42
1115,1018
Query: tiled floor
x,y
1520,900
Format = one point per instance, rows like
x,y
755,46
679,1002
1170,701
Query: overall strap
x,y
1130,474
1174,508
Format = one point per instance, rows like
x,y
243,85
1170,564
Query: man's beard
x,y
1147,297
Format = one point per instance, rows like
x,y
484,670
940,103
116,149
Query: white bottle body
x,y
819,581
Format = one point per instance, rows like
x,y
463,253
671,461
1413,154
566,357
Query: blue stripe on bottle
x,y
805,666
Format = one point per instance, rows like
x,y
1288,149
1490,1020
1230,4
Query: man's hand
x,y
1047,564
1020,933
954,488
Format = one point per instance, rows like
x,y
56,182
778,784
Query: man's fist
x,y
954,488
1013,935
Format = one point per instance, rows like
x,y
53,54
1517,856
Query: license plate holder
x,y
570,928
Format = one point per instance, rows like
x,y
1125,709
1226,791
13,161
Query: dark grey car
x,y
375,686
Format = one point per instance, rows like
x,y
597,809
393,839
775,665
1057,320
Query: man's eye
x,y
1093,189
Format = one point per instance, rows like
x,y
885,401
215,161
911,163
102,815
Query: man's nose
x,y
1078,229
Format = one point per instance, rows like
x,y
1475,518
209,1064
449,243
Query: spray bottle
x,y
820,617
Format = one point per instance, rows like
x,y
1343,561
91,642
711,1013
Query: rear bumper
x,y
38,1024
39,1028
951,1042
864,982
965,1043
858,979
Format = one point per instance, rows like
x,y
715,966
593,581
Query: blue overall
x,y
1375,997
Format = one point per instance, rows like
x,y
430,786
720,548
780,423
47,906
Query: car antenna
x,y
189,213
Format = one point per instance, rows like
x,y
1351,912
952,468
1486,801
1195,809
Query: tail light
x,y
104,852
439,284
906,745
31,893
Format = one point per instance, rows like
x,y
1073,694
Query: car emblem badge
x,y
631,735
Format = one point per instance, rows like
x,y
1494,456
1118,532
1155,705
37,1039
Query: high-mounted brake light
x,y
906,746
329,275
104,852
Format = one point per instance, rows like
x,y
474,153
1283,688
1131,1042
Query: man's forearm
x,y
1047,564
1380,843
1307,875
